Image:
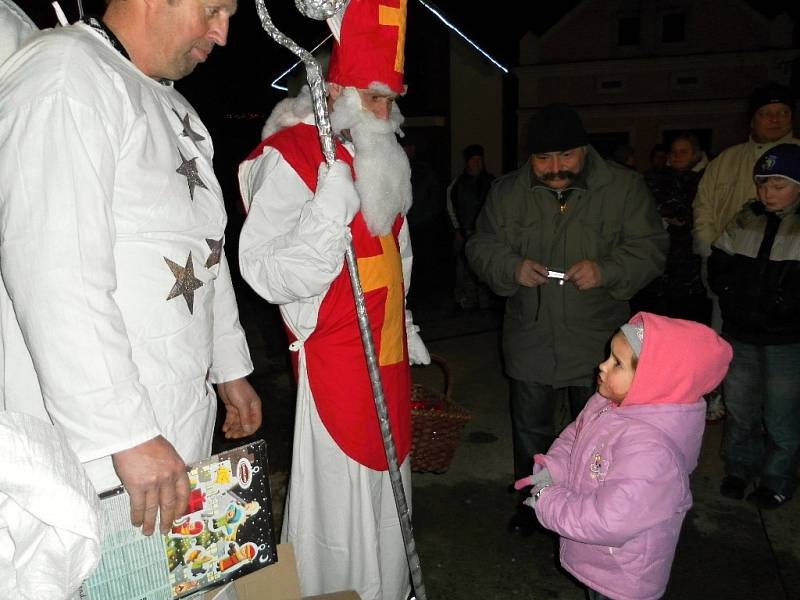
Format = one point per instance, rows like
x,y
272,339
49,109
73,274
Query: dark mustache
x,y
558,175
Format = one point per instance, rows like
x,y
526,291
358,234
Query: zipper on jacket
x,y
562,202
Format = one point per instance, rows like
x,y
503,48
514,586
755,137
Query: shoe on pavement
x,y
733,487
763,497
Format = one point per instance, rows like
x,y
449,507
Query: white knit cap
x,y
635,336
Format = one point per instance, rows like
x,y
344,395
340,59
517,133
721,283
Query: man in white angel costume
x,y
117,313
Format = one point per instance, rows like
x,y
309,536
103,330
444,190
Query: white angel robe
x,y
15,28
117,311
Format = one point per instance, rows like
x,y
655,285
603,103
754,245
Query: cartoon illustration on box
x,y
235,515
226,532
238,556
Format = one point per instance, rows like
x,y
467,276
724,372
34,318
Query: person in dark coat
x,y
679,291
465,198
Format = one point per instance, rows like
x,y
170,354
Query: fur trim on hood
x,y
289,112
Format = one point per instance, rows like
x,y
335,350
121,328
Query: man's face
x,y
474,165
771,122
182,34
681,155
557,170
378,103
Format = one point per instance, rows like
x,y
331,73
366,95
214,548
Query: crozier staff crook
x,y
323,9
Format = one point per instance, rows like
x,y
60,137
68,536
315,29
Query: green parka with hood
x,y
556,334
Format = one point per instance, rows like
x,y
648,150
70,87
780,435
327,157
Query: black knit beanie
x,y
472,150
554,128
772,93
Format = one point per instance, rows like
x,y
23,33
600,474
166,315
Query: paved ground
x,y
727,550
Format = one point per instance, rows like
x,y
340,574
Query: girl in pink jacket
x,y
615,484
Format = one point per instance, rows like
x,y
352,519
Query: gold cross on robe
x,y
385,270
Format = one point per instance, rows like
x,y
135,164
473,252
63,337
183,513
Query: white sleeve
x,y
57,171
451,210
231,356
406,254
417,352
289,250
15,28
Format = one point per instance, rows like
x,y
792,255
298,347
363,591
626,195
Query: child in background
x,y
615,484
754,268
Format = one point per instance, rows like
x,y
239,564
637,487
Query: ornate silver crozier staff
x,y
320,10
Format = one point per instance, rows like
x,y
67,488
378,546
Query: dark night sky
x,y
236,79
252,60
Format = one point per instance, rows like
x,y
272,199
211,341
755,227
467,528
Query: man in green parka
x,y
568,238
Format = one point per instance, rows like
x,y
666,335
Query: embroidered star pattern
x,y
188,169
187,128
185,282
216,252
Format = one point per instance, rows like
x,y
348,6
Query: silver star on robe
x,y
188,169
187,128
216,252
185,282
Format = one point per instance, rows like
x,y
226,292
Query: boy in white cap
x,y
340,512
755,269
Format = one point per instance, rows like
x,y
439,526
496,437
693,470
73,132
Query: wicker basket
x,y
437,423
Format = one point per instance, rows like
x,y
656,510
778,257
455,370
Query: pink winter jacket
x,y
621,473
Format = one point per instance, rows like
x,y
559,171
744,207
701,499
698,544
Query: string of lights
x,y
433,9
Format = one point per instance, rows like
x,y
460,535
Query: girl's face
x,y
617,371
777,193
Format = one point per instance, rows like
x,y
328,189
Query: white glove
x,y
336,194
538,475
539,481
417,352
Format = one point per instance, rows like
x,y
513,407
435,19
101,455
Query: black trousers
x,y
532,418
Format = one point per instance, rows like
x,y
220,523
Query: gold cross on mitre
x,y
385,270
390,15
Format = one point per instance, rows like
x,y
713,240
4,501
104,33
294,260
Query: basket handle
x,y
440,362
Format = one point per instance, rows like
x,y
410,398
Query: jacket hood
x,y
680,361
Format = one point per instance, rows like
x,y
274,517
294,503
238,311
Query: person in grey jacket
x,y
568,238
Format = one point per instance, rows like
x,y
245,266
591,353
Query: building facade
x,y
639,72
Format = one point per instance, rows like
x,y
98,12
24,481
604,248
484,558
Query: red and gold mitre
x,y
370,45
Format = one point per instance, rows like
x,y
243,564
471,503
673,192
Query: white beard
x,y
383,175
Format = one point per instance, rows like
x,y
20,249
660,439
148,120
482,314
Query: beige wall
x,y
729,50
476,106
729,75
590,29
646,124
651,101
